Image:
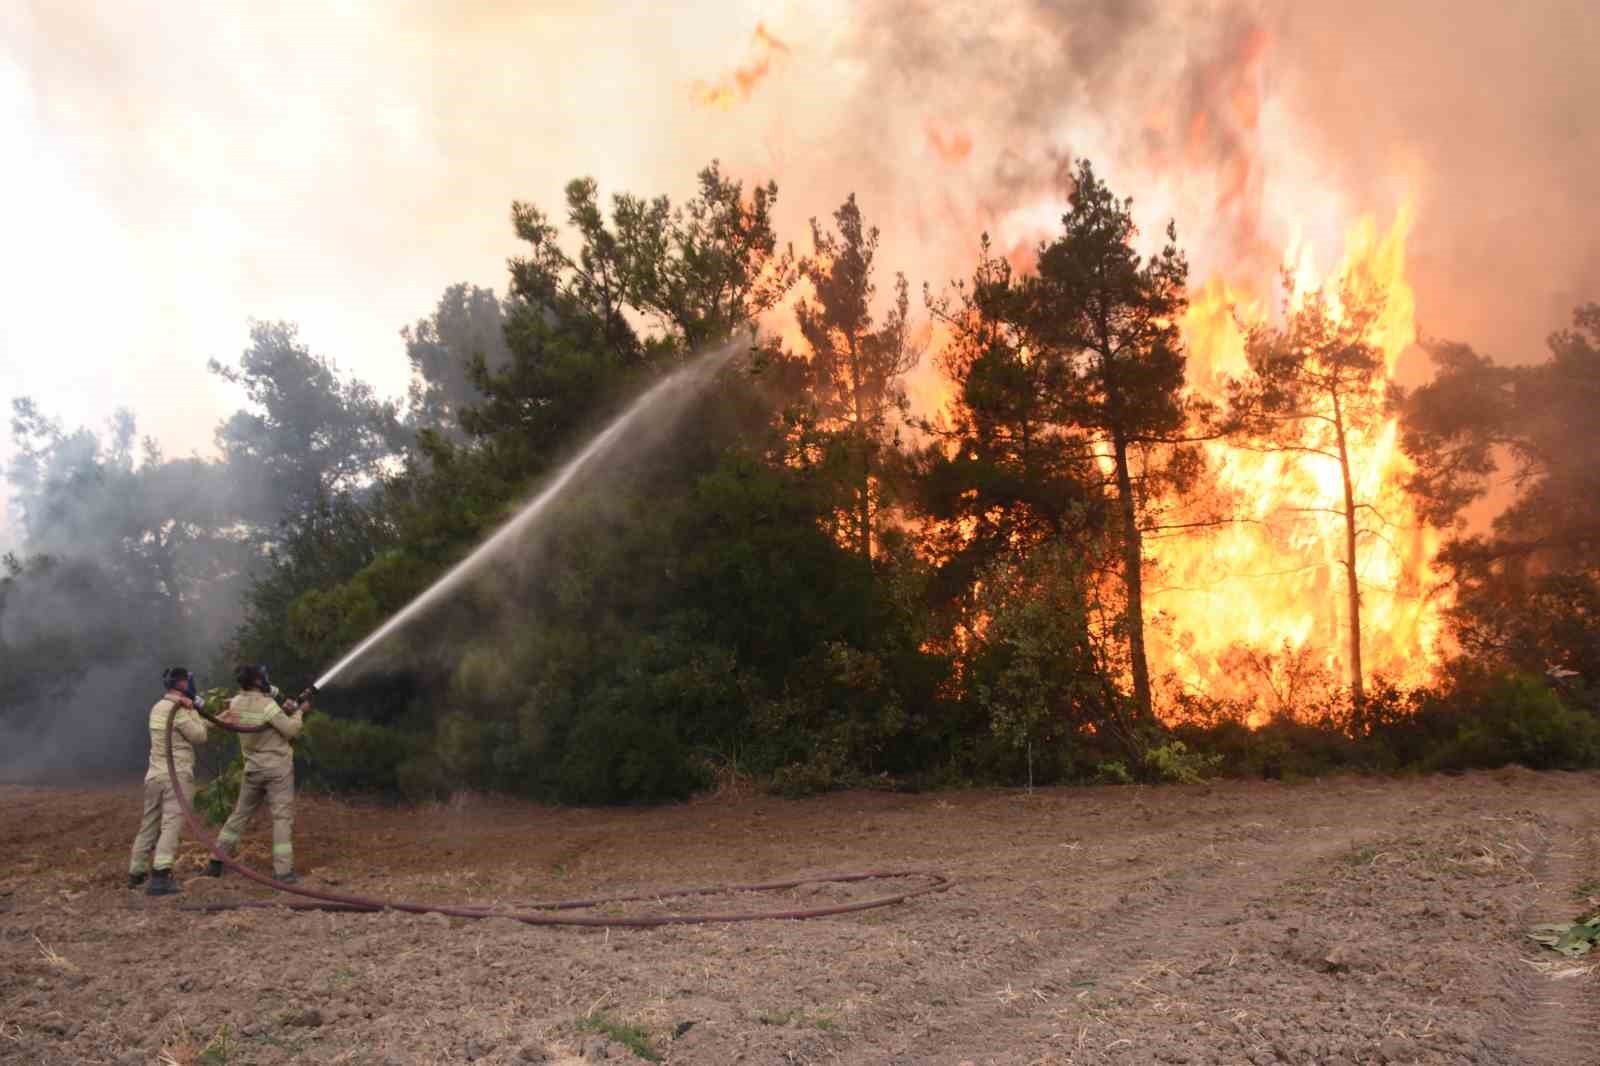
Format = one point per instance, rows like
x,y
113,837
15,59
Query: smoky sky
x,y
184,168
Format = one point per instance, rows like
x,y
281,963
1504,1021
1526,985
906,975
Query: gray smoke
x,y
1493,105
1230,115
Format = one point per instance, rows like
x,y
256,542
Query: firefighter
x,y
268,768
163,821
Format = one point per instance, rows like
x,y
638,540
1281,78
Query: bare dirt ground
x,y
1332,922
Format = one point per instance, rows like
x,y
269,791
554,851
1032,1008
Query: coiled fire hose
x,y
537,913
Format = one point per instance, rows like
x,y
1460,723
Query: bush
x,y
1519,719
1113,772
421,778
351,756
621,756
821,773
1174,762
214,800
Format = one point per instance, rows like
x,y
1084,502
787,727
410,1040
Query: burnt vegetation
x,y
804,582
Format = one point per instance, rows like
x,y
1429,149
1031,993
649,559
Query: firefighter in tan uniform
x,y
268,769
162,823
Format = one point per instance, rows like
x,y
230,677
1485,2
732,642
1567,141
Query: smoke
x,y
336,165
120,575
1489,109
1250,124
97,726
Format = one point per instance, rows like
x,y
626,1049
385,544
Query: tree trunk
x,y
1133,578
864,490
1352,588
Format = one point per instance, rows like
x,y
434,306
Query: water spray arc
x,y
553,912
692,376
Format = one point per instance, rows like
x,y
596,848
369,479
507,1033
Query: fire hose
x,y
536,913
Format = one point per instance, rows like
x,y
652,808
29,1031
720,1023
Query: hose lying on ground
x,y
536,913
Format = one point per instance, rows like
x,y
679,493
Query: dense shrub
x,y
1518,719
618,756
352,756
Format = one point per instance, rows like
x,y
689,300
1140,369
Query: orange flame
x,y
952,148
731,89
1257,606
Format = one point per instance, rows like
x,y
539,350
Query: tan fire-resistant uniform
x,y
268,772
163,821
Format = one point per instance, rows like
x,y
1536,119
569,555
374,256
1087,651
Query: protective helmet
x,y
178,679
252,677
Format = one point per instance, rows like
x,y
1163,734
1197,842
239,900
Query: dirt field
x,y
1342,921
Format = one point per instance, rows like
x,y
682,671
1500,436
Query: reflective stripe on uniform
x,y
182,749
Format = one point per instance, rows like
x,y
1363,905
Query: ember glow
x,y
732,89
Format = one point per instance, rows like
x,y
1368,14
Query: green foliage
x,y
1479,720
1040,669
1112,772
1528,593
353,756
220,1048
857,363
214,800
1520,720
1174,762
221,759
634,1037
617,755
822,1019
309,434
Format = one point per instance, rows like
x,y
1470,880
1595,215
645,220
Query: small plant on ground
x,y
822,1019
1114,772
636,1038
214,800
1174,762
219,1052
53,958
1362,856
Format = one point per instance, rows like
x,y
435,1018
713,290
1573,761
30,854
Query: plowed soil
x,y
1333,922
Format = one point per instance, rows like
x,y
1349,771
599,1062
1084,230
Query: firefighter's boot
x,y
162,884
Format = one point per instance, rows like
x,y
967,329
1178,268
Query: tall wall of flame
x,y
1256,606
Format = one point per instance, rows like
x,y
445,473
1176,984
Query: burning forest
x,y
1082,425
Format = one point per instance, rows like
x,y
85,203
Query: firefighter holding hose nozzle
x,y
162,823
268,768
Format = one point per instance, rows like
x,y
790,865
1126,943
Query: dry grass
x,y
54,959
1562,971
180,1049
730,782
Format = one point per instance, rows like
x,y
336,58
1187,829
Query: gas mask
x,y
178,679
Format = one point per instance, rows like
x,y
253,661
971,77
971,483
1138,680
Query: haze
x,y
173,171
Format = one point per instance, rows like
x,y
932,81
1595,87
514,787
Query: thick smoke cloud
x,y
1252,124
1491,109
337,165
